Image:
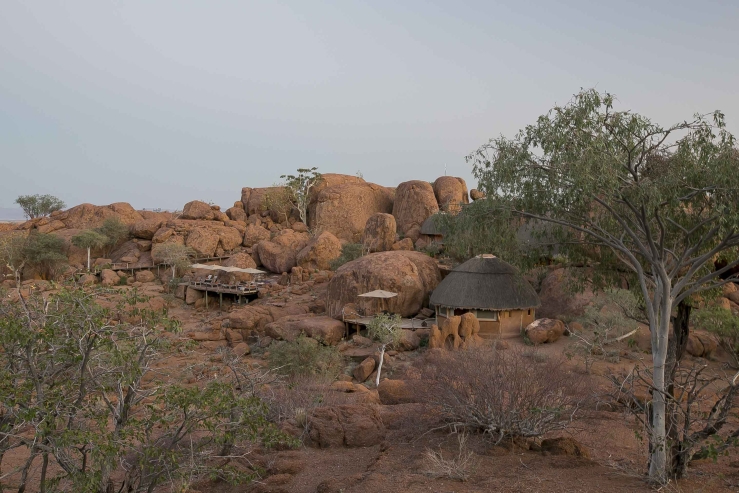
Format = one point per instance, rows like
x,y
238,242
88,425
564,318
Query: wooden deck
x,y
243,290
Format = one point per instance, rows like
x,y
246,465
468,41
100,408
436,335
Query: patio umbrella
x,y
379,294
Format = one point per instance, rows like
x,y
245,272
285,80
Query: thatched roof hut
x,y
485,283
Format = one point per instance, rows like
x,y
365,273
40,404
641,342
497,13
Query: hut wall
x,y
511,322
508,325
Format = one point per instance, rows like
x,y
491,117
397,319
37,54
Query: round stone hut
x,y
503,301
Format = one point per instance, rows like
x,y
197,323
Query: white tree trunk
x,y
88,259
660,335
379,367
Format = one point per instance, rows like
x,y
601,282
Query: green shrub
x,y
349,252
45,253
305,356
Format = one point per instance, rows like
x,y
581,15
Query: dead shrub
x,y
459,467
504,394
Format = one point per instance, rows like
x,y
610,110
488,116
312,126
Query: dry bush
x,y
459,467
504,393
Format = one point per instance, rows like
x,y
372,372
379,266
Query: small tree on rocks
x,y
300,186
385,329
89,239
176,256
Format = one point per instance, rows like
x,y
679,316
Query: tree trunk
x,y
88,259
379,367
677,465
658,433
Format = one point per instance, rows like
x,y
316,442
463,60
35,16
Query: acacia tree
x,y
175,255
300,186
39,205
660,201
89,239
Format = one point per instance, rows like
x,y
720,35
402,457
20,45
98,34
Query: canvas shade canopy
x,y
379,293
248,270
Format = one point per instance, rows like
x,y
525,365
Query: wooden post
x,y
220,301
206,299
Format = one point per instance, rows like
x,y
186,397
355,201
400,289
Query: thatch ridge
x,y
485,283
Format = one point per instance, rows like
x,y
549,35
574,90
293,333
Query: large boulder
x,y
450,193
109,277
146,229
203,240
412,275
254,234
198,210
319,252
414,203
394,392
346,426
344,209
241,260
379,232
254,199
326,330
280,254
476,194
327,180
254,318
544,330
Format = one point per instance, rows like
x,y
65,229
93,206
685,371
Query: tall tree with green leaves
x,y
89,239
619,188
39,205
300,186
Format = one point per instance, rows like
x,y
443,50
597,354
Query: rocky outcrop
x,y
412,275
319,252
451,193
414,203
87,216
343,209
379,233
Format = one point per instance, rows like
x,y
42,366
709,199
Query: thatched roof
x,y
485,283
429,226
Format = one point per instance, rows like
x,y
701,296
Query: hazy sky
x,y
160,102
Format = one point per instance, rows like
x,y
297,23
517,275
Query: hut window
x,y
487,315
529,311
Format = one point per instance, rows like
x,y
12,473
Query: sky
x,y
159,102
